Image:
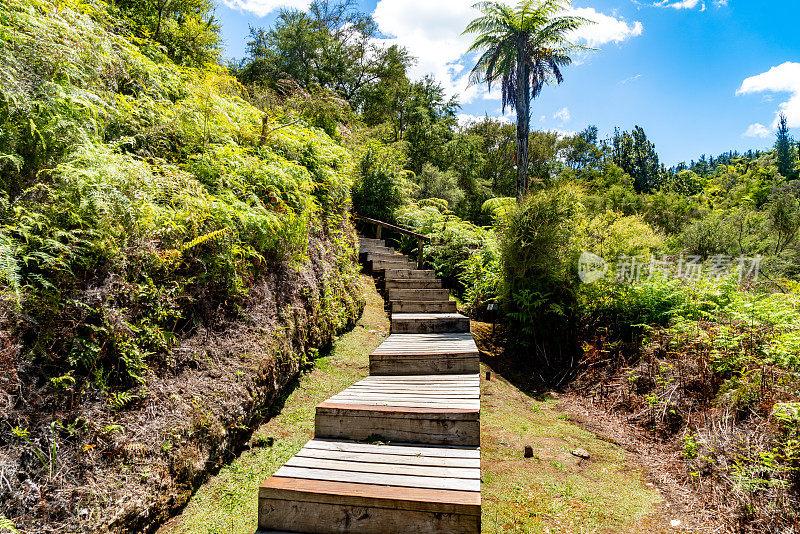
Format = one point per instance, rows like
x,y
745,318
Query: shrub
x,y
380,187
539,247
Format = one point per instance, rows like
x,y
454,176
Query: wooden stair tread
x,y
428,316
360,467
401,449
375,495
425,344
412,397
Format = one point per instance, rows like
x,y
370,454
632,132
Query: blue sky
x,y
701,76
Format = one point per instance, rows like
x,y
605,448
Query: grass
x,y
227,504
556,492
553,492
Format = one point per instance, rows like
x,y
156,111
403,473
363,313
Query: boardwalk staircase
x,y
397,452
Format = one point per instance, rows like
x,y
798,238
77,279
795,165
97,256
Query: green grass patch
x,y
555,492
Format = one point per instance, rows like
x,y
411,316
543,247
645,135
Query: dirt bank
x,y
78,460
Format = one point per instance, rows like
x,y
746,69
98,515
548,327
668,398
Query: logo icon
x,y
591,268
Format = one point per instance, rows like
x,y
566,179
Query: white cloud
x,y
784,78
432,30
721,3
757,130
264,7
562,115
684,4
631,79
464,119
607,29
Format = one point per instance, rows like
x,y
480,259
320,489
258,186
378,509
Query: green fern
x,y
8,525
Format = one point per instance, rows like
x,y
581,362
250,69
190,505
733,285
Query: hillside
x,y
168,266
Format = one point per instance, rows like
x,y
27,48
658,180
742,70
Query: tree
x,y
332,47
524,47
186,28
434,183
637,156
783,149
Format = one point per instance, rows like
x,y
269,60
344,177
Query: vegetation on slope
x,y
170,254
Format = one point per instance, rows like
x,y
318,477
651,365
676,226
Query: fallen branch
x,y
265,132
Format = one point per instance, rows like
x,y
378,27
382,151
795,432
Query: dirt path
x,y
553,492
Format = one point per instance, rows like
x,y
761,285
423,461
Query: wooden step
x,y
423,306
412,283
386,256
429,323
379,266
421,354
431,409
364,249
344,487
405,274
372,242
419,294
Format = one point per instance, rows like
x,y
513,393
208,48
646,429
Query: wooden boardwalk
x,y
397,452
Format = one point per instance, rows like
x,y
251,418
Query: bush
x,y
137,195
464,254
380,187
540,246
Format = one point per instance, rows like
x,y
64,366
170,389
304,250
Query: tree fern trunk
x,y
523,116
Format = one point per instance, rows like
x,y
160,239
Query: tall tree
x,y
332,46
783,149
637,156
524,47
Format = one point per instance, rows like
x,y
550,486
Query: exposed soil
x,y
78,464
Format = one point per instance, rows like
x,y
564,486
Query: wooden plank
x,y
393,274
336,518
410,306
394,459
435,429
468,376
401,408
421,499
415,365
434,323
407,396
428,316
404,407
384,468
380,479
431,451
447,391
418,294
433,283
424,389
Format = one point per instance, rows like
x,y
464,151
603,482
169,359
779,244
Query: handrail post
x,y
378,231
419,253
